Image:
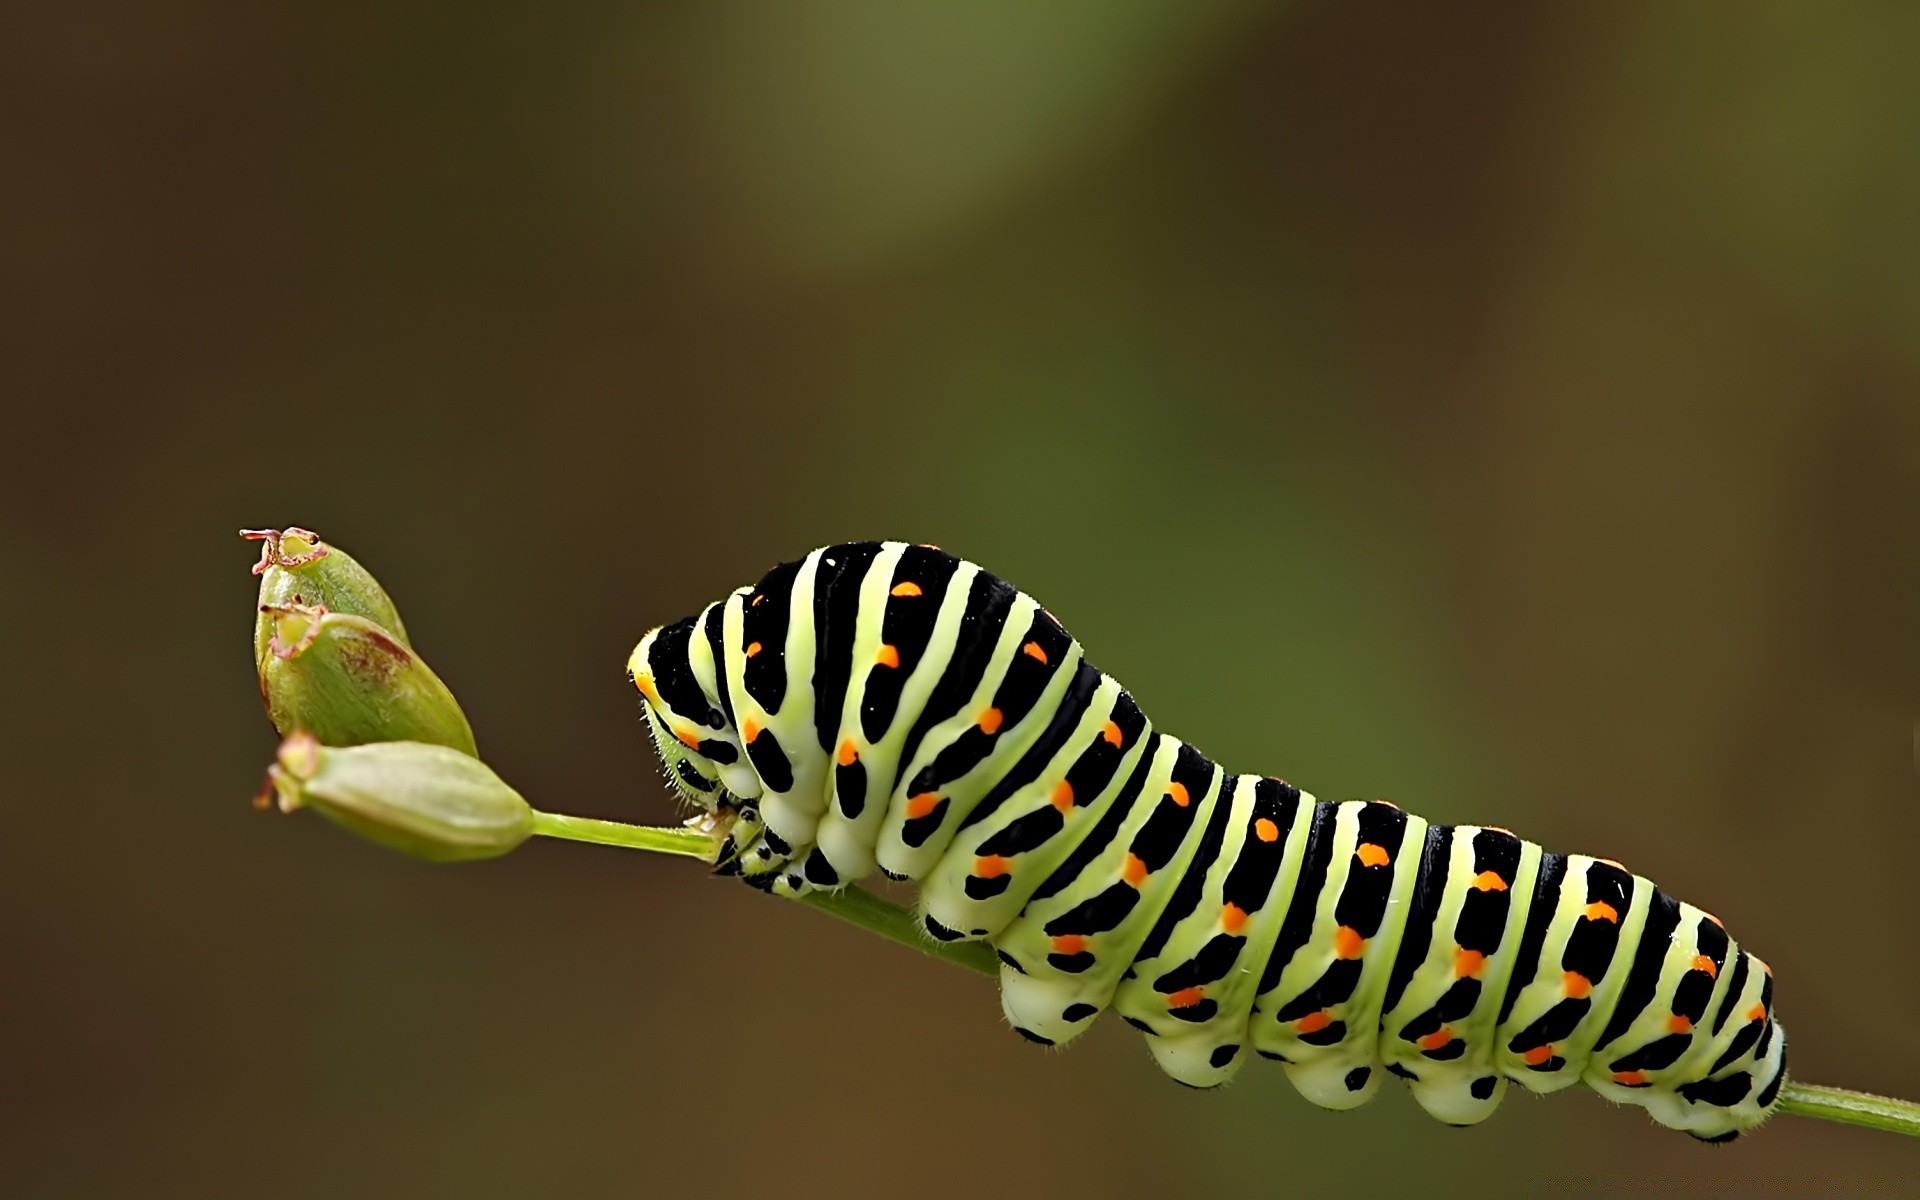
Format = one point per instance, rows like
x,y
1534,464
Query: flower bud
x,y
347,681
296,567
426,801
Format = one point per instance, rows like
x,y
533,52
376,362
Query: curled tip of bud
x,y
295,626
289,547
426,801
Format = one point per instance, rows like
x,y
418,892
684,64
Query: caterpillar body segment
x,y
889,706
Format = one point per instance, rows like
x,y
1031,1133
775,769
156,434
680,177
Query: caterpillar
x,y
881,705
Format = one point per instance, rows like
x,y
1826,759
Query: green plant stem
x,y
1851,1108
857,906
689,843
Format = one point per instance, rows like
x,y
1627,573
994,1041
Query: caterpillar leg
x,y
1050,1011
764,860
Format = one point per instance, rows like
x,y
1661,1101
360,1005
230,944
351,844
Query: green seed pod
x,y
426,801
296,567
347,681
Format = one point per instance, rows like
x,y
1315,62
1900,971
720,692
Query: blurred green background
x,y
1509,409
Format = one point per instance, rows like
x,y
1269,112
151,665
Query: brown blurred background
x,y
1511,410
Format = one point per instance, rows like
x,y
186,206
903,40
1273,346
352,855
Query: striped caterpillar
x,y
889,706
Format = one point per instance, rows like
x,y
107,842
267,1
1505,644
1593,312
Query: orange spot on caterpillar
x,y
990,866
1233,918
1575,984
848,755
1111,732
1702,963
1630,1078
905,589
919,806
1177,792
888,656
1371,855
1313,1022
1186,997
1062,797
1611,863
1536,1056
1489,881
1497,829
1716,920
1600,910
645,684
1390,804
1436,1039
990,721
690,741
1679,1024
1032,650
1133,870
1069,943
1757,1013
753,648
749,730
1347,942
1266,830
755,602
1467,962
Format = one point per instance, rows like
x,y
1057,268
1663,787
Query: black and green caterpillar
x,y
885,705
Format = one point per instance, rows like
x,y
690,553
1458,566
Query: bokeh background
x,y
1509,409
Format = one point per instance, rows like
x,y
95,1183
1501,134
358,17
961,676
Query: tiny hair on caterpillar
x,y
887,706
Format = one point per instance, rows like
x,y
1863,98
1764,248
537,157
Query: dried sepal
x,y
289,547
294,626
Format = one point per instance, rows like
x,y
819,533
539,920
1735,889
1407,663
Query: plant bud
x,y
296,567
426,801
347,681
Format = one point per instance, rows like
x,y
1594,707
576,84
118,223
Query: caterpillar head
x,y
673,671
